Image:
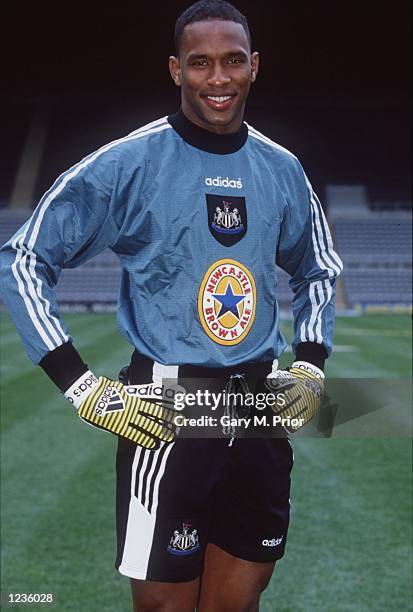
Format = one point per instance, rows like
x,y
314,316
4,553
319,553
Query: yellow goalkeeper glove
x,y
300,389
114,407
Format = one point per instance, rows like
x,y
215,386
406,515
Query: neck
x,y
206,140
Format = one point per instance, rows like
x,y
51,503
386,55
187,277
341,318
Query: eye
x,y
199,63
235,60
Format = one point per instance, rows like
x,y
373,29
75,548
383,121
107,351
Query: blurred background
x,y
334,88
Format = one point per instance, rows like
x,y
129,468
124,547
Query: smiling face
x,y
215,70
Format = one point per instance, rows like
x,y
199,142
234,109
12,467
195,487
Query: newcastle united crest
x,y
227,218
184,542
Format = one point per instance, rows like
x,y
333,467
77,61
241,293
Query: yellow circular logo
x,y
226,301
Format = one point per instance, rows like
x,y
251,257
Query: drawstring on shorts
x,y
235,385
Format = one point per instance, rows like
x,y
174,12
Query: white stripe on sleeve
x,y
329,289
315,306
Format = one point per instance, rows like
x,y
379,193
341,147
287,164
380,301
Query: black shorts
x,y
173,501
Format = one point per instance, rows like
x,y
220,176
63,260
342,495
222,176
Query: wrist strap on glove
x,y
81,389
301,369
302,387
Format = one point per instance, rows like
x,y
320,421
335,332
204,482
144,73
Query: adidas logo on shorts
x,y
273,542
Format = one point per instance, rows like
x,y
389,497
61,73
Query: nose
x,y
218,76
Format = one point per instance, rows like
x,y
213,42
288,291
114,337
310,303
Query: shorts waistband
x,y
142,369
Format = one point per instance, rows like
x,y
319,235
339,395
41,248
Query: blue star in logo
x,y
229,301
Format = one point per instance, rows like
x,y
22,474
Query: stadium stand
x,y
88,285
10,221
380,287
372,241
375,246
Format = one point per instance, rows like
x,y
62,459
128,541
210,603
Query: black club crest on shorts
x,y
227,218
185,542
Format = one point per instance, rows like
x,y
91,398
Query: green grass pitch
x,y
350,534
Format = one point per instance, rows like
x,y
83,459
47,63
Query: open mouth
x,y
219,102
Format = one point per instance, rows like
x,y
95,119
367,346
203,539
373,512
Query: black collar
x,y
210,142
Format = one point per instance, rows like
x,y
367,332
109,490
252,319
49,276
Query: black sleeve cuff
x,y
63,366
312,352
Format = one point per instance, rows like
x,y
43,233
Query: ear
x,y
175,70
255,60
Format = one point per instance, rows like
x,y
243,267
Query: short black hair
x,y
205,10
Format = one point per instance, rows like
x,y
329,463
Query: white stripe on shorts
x,y
143,506
141,523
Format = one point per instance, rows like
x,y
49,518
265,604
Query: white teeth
x,y
219,99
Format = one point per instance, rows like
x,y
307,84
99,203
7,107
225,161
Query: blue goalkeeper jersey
x,y
198,222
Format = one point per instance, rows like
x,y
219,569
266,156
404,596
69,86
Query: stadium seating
x,y
374,241
10,221
378,286
377,254
87,286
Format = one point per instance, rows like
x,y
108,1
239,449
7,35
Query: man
x,y
198,206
